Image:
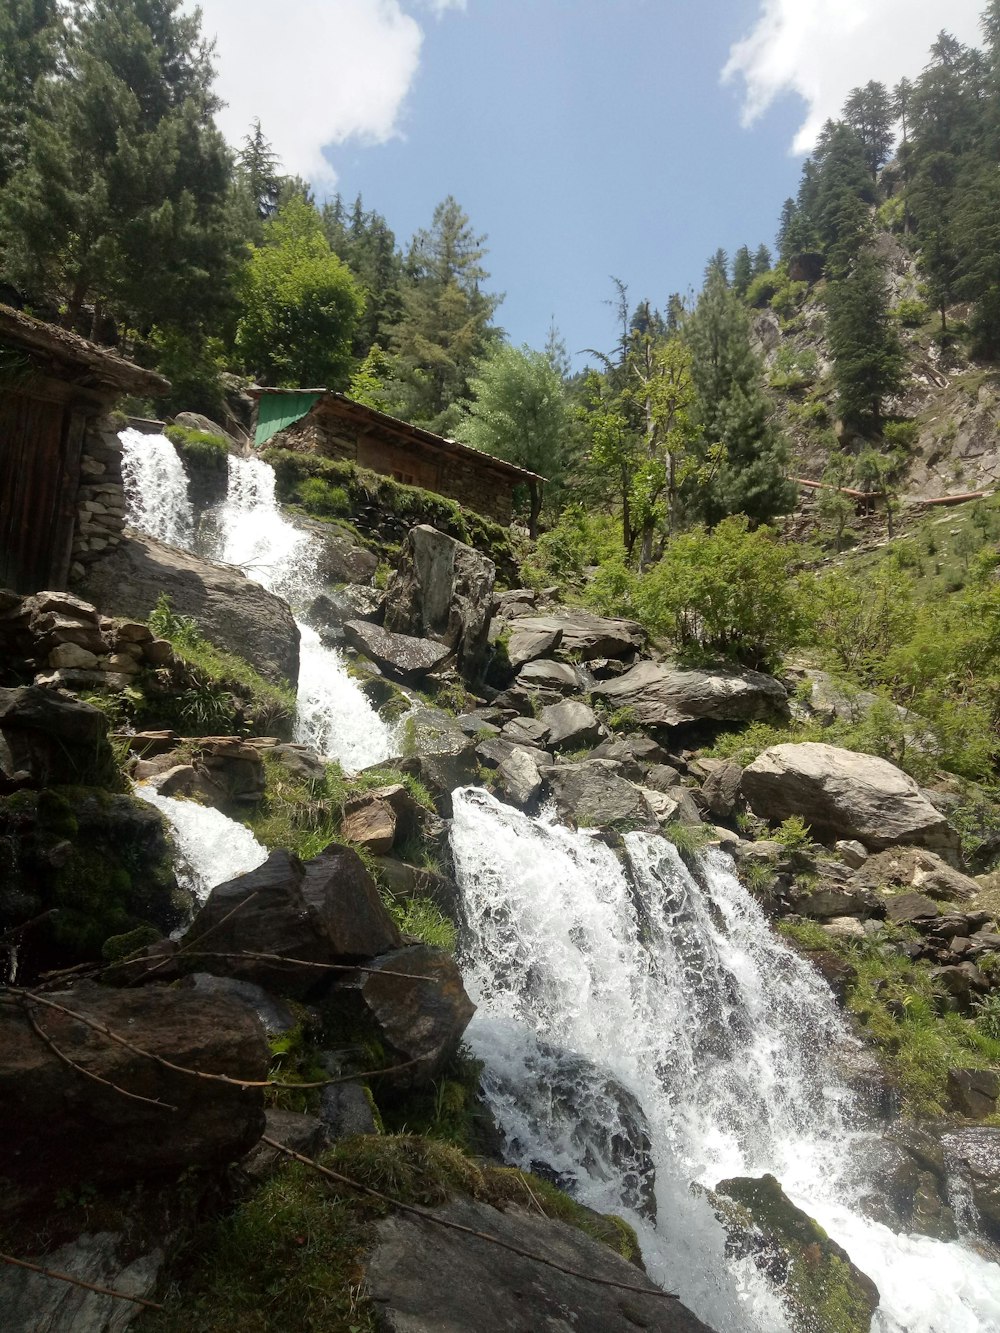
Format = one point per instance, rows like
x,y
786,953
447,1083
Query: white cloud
x,y
315,72
821,49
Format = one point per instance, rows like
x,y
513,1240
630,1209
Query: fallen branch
x,y
78,1282
429,1215
304,962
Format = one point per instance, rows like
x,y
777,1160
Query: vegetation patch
x,y
199,448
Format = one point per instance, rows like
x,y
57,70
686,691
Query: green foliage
x,y
793,833
194,363
763,288
580,539
900,435
867,356
325,501
299,304
788,298
726,593
911,313
199,449
794,368
424,919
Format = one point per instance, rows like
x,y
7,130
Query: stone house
x,y
62,502
333,425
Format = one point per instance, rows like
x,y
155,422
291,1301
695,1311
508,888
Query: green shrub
x,y
763,288
793,833
901,434
320,498
794,368
911,313
787,299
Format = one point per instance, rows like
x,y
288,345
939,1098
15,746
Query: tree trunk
x,y
535,491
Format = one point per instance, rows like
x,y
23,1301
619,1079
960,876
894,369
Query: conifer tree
x,y
761,261
869,112
257,165
868,358
30,32
742,270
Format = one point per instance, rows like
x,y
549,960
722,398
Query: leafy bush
x,y
794,833
788,297
911,314
580,539
762,289
794,368
901,434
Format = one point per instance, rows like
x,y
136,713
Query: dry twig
x,y
78,1282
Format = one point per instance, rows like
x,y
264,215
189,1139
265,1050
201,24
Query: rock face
x,y
400,655
425,1279
592,795
661,695
443,590
977,1151
974,1092
440,752
231,610
841,794
105,1137
327,911
49,739
821,1287
415,999
582,634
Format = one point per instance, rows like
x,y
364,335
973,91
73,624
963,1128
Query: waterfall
x,y
156,488
211,848
248,529
632,1017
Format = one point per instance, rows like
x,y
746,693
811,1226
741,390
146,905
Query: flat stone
x,y
546,675
661,695
570,725
401,655
526,731
902,908
72,656
526,645
593,795
585,634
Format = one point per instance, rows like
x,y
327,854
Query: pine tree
x,y
257,165
742,458
742,271
445,326
868,358
762,261
869,113
122,196
30,32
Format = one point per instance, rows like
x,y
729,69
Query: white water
x,y
248,529
212,848
156,488
590,980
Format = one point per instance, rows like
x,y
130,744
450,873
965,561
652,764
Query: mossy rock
x,y
822,1290
99,862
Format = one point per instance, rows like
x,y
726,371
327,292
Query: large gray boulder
x,y
841,794
977,1149
443,590
662,695
50,739
400,655
583,634
591,794
231,610
62,1129
426,1279
440,753
571,725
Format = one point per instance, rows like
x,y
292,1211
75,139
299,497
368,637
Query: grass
x,y
199,448
424,919
292,1255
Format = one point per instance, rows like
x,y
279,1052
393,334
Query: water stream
x,y
248,529
620,1006
211,847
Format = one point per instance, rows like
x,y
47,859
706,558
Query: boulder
x,y
351,915
819,1285
841,794
443,590
903,909
48,739
425,1279
414,1000
274,1015
440,752
830,901
571,725
339,558
974,1092
371,819
922,870
105,1137
231,610
400,656
583,634
906,1173
592,795
553,677
721,788
331,610
662,695
962,985
196,421
635,749
525,731
853,853
526,645
518,778
975,1151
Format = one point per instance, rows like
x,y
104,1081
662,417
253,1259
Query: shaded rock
x,y
526,645
417,1005
103,1137
443,590
403,657
344,1110
904,908
49,739
518,778
820,1286
495,750
906,1166
349,910
407,881
274,1015
841,794
963,984
231,610
529,731
331,610
341,559
571,725
836,971
592,795
661,695
302,1133
584,634
661,777
828,901
31,1301
974,1092
635,748
425,1279
721,788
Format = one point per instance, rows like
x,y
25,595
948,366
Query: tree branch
x,y
78,1282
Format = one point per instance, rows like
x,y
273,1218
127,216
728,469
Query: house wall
x,y
463,479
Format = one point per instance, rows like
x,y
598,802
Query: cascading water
x,y
211,847
248,529
632,1020
156,487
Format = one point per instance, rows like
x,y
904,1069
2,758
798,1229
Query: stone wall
x,y
101,496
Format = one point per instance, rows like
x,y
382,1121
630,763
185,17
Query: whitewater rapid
x,y
612,998
211,847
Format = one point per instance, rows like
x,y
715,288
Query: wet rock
x,y
403,657
341,559
331,610
975,1151
231,610
662,695
49,739
584,635
819,1285
443,590
105,1137
440,753
836,971
415,1000
571,725
592,795
841,794
302,1133
30,1301
974,1092
274,1015
905,1171
345,1110
424,1279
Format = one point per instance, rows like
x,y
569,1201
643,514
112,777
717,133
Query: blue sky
x,y
585,138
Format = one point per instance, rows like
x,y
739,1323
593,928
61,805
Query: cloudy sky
x,y
585,137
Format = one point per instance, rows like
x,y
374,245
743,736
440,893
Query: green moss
x,y
117,947
198,448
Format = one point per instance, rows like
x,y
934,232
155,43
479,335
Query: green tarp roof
x,y
275,411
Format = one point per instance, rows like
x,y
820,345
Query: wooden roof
x,y
347,409
69,357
